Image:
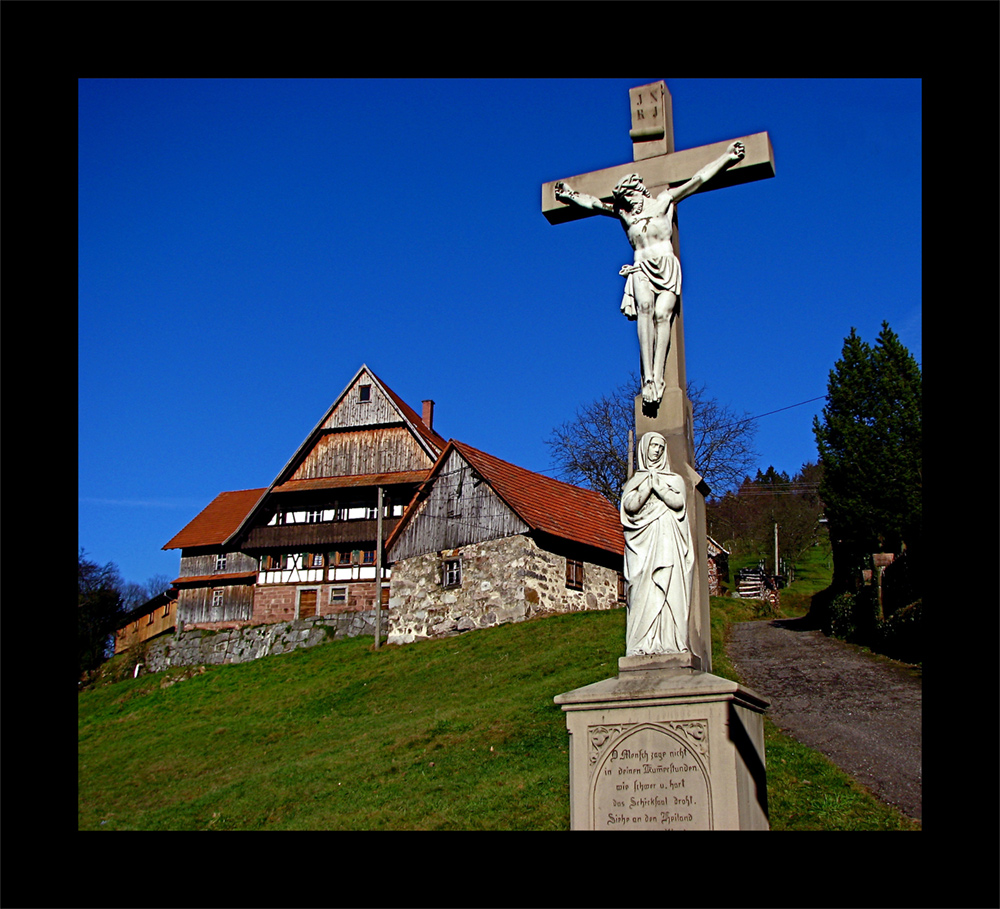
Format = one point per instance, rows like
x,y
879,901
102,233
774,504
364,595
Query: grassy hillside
x,y
459,733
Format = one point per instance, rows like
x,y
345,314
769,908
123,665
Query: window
x,y
344,558
622,588
574,574
338,595
340,513
313,560
150,617
314,517
220,562
166,610
217,598
273,562
451,573
368,557
364,393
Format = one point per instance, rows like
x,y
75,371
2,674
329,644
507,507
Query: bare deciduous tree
x,y
592,450
134,594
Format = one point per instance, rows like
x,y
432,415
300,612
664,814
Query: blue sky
x,y
246,245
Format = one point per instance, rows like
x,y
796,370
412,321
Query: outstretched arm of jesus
x,y
731,155
572,197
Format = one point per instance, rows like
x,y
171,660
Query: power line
x,y
726,426
770,412
790,490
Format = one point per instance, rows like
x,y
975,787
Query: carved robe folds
x,y
659,555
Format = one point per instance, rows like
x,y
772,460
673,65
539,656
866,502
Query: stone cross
x,y
645,209
662,168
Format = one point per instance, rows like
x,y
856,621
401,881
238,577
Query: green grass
x,y
813,573
458,733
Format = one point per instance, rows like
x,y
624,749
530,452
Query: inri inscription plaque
x,y
651,776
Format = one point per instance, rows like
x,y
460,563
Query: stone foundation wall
x,y
273,604
276,603
251,642
507,580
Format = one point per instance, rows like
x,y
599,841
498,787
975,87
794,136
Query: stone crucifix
x,y
645,206
670,614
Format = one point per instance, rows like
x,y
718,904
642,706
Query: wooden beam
x,y
378,573
662,171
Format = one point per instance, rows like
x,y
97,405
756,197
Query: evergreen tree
x,y
869,443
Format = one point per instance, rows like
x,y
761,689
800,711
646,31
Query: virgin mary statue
x,y
659,556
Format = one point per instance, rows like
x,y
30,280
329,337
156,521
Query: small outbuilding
x,y
154,617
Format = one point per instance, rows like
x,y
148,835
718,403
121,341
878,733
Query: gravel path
x,y
861,711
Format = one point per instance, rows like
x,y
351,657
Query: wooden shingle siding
x,y
459,509
153,618
201,564
194,604
352,411
351,452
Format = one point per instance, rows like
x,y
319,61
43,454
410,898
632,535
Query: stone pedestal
x,y
666,749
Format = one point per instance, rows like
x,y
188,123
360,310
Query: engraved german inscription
x,y
652,777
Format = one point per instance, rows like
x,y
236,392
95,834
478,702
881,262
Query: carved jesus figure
x,y
653,280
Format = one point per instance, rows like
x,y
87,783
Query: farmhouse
x,y
468,540
307,544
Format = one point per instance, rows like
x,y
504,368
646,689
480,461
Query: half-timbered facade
x,y
486,542
307,544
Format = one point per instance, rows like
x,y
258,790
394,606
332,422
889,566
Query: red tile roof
x,y
217,521
548,505
435,440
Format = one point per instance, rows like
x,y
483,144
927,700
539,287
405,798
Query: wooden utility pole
x,y
777,570
378,574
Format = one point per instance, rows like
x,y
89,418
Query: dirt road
x,y
861,711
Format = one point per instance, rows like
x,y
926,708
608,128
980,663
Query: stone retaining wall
x,y
240,645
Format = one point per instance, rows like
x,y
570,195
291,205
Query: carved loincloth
x,y
663,273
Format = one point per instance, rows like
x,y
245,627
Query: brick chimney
x,y
428,415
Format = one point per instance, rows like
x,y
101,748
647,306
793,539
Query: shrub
x,y
899,635
901,583
839,618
